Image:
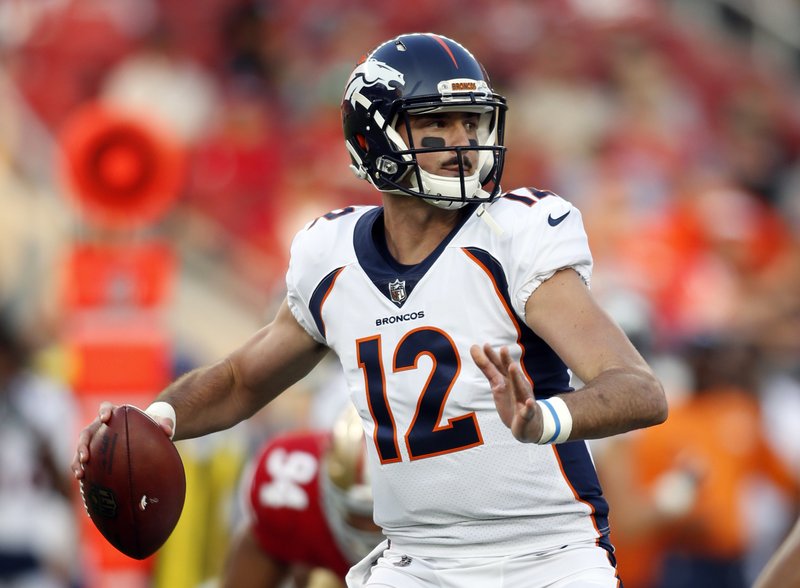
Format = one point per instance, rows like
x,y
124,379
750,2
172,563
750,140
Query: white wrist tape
x,y
163,410
556,421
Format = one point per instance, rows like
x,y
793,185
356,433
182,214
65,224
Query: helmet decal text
x,y
449,87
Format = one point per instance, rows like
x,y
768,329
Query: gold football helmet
x,y
346,489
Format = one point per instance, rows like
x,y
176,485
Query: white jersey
x,y
449,479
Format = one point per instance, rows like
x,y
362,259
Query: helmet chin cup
x,y
450,192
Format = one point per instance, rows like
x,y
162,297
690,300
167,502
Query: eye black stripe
x,y
432,142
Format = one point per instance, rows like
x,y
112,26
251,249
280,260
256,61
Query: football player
x,y
445,306
309,507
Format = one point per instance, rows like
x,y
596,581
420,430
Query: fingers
x,y
512,391
524,426
85,438
520,385
512,371
105,410
479,357
486,357
82,451
488,362
505,360
494,365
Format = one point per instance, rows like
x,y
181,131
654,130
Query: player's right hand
x,y
85,437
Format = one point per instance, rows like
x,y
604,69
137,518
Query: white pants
x,y
572,566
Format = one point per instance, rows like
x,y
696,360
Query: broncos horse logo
x,y
368,74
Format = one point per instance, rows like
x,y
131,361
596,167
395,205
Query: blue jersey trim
x,y
546,369
318,298
581,474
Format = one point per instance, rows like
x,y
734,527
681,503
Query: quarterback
x,y
460,313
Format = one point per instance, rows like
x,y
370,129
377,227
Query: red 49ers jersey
x,y
285,504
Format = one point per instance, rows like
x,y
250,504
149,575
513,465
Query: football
x,y
134,484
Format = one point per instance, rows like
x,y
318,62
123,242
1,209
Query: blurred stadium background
x,y
673,124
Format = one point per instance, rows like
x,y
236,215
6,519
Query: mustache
x,y
465,162
439,143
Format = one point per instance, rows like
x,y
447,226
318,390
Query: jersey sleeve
x,y
551,237
318,251
298,297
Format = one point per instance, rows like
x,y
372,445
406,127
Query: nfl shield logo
x,y
397,290
100,501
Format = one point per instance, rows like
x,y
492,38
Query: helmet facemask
x,y
478,184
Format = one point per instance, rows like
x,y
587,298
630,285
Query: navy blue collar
x,y
394,280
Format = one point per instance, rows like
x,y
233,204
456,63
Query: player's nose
x,y
461,136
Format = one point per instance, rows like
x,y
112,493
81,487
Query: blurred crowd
x,y
681,150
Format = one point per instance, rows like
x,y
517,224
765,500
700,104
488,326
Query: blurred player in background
x,y
38,532
444,306
309,505
684,493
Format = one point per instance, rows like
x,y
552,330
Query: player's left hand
x,y
85,438
512,393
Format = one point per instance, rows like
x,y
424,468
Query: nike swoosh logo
x,y
554,221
